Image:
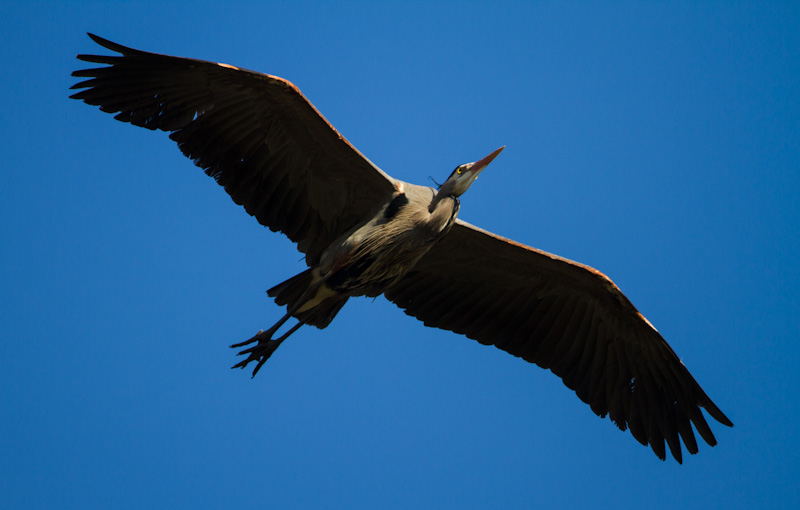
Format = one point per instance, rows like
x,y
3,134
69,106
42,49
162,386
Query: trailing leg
x,y
308,299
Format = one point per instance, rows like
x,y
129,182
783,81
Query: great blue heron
x,y
365,233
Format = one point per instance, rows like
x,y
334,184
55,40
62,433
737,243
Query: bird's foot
x,y
259,352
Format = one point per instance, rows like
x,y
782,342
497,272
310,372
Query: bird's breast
x,y
381,252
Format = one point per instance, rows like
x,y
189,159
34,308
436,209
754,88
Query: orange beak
x,y
479,165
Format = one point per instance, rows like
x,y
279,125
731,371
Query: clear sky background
x,y
659,143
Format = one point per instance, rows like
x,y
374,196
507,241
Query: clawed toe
x,y
262,350
259,352
247,342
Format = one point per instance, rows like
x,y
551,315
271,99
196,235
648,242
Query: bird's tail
x,y
293,292
288,293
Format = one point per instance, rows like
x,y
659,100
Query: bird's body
x,y
381,251
365,260
365,233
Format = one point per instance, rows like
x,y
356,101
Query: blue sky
x,y
659,143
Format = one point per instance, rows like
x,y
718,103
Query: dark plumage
x,y
365,233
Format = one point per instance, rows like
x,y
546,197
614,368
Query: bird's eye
x,y
459,170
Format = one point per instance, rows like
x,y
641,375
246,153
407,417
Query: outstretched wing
x,y
256,134
566,317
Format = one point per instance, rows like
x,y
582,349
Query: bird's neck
x,y
442,197
443,209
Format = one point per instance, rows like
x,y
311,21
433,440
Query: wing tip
x,y
107,44
716,413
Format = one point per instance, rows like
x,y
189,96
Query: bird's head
x,y
463,176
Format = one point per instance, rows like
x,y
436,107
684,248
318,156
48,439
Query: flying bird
x,y
365,233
